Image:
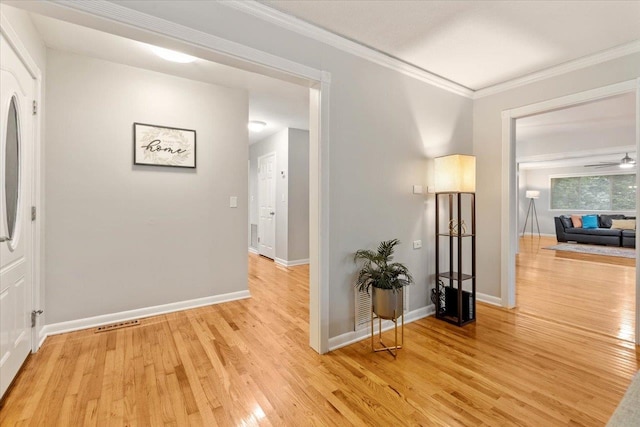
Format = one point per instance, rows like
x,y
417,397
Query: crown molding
x,y
577,64
306,29
127,16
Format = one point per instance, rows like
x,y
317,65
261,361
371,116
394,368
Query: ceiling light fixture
x,y
173,56
627,162
256,126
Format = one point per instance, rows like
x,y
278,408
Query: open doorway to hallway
x,y
570,170
279,196
208,203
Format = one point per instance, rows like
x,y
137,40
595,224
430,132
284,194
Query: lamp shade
x,y
455,173
532,194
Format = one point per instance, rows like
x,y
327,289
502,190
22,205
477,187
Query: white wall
x,y
384,127
298,227
292,190
122,237
487,141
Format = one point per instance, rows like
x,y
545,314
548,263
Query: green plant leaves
x,y
378,270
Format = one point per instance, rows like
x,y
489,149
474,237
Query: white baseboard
x,y
489,299
528,234
42,337
95,321
292,263
355,336
253,251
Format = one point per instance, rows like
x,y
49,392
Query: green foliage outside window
x,y
594,193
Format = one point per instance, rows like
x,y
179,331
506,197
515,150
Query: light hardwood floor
x,y
248,363
593,292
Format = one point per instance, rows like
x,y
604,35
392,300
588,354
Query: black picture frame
x,y
156,145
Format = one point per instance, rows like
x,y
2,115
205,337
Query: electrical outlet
x,y
417,244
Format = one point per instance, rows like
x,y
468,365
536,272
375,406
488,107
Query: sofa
x,y
602,235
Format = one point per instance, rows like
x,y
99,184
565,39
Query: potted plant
x,y
385,277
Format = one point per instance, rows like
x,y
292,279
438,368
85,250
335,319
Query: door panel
x,y
267,205
16,133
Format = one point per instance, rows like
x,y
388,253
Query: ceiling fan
x,y
625,163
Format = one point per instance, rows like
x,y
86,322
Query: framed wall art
x,y
155,145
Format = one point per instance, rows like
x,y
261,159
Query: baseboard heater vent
x,y
119,325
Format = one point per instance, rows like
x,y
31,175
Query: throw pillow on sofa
x,y
605,220
623,224
576,220
566,221
590,221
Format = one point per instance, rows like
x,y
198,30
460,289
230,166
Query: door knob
x,y
5,239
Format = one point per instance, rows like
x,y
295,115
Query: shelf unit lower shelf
x,y
452,275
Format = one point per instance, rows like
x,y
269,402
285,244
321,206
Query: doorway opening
x,y
515,168
248,60
279,191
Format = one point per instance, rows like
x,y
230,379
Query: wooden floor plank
x,y
562,357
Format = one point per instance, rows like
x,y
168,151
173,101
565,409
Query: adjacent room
x,y
575,162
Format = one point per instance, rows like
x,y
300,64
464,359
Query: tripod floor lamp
x,y
532,196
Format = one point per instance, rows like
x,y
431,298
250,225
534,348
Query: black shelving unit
x,y
454,303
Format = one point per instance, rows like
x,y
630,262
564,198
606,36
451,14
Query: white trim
x,y
121,14
292,263
592,172
92,322
20,49
509,212
319,226
37,195
314,32
365,333
528,234
637,307
509,235
574,99
554,159
139,20
490,299
567,67
253,251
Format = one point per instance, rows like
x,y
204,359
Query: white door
x,y
267,205
16,136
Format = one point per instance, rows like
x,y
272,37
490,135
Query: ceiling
x,y
476,44
589,133
278,103
466,42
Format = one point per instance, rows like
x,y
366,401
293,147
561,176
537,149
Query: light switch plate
x,y
417,244
417,189
233,202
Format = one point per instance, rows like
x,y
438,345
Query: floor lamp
x,y
532,196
